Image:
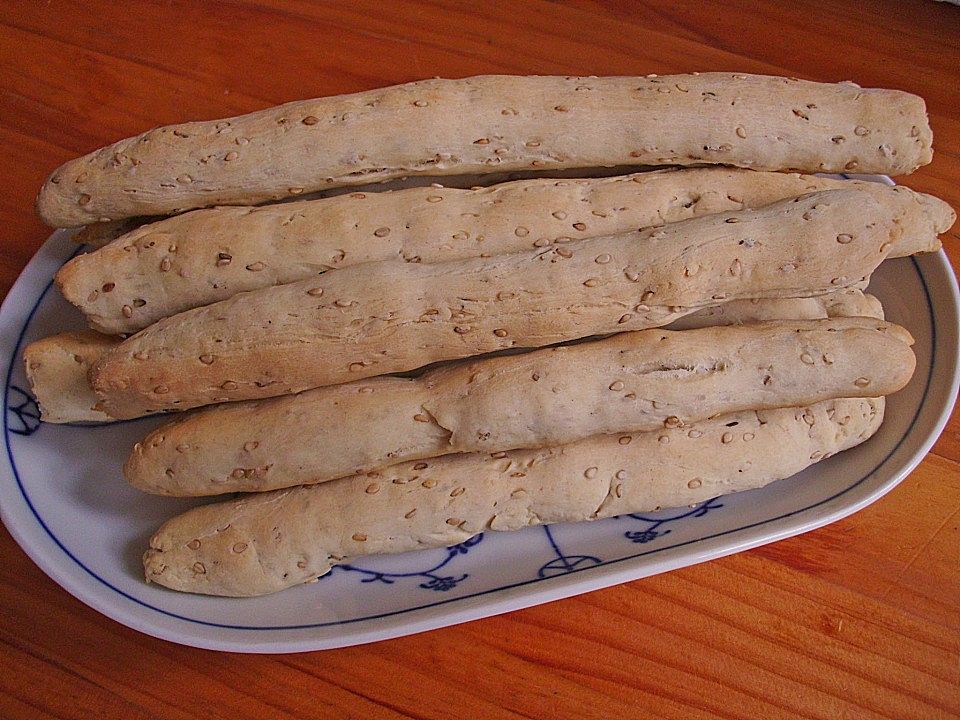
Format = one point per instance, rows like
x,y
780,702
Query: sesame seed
x,y
591,282
603,259
199,568
165,265
229,385
127,311
356,366
454,521
521,231
852,165
206,359
559,214
694,434
860,131
828,358
663,439
732,220
564,252
238,473
161,389
194,544
844,238
232,155
735,268
83,199
498,455
223,259
420,103
625,440
372,488
457,491
741,133
672,422
695,483
239,547
616,386
726,438
93,295
648,295
256,267
310,120
624,318
748,436
560,108
519,492
461,329
182,448
806,359
621,475
580,226
410,514
500,332
839,280
590,472
420,417
861,382
359,537
618,491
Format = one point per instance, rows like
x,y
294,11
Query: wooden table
x,y
858,620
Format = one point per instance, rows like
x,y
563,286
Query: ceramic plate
x,y
64,500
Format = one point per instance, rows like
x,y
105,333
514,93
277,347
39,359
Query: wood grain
x,y
860,619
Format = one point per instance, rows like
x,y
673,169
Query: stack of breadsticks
x,y
728,339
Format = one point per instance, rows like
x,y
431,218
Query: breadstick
x,y
493,124
57,369
64,393
264,543
388,317
100,234
630,382
205,256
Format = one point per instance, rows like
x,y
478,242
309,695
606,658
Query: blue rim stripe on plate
x,y
6,434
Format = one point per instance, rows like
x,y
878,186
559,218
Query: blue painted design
x,y
653,532
25,409
15,357
563,564
440,583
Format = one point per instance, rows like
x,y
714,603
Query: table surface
x,y
859,619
